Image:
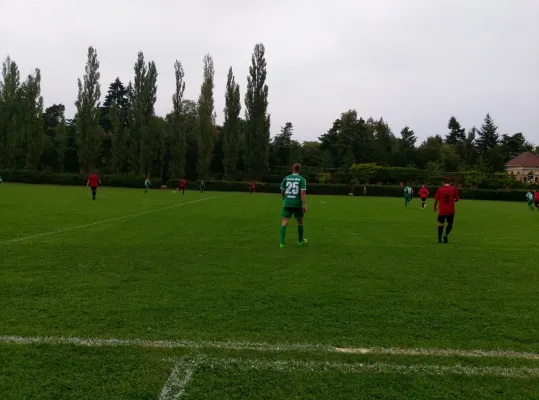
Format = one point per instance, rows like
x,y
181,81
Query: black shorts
x,y
537,204
443,218
94,188
423,199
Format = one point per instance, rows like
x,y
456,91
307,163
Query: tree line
x,y
124,136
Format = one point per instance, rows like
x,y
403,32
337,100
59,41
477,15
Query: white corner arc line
x,y
104,221
267,347
175,386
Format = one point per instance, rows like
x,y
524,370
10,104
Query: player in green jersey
x,y
1,179
202,186
530,197
147,184
407,195
294,192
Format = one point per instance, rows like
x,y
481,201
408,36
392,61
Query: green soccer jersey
x,y
407,191
292,186
529,196
147,183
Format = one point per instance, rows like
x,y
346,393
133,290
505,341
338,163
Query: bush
x,y
45,177
465,194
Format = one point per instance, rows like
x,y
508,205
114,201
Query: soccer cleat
x,y
445,239
282,246
439,240
301,244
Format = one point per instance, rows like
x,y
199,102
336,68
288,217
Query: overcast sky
x,y
414,62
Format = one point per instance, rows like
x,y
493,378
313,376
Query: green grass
x,y
209,267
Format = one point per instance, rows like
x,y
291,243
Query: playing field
x,y
164,296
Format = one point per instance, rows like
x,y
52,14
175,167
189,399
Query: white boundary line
x,y
175,386
266,347
244,364
109,220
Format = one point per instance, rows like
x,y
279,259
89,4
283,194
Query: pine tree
x,y
282,146
205,120
87,118
457,134
10,115
231,127
258,121
33,132
178,133
488,136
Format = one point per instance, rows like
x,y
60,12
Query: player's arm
x,y
303,189
436,200
457,197
88,183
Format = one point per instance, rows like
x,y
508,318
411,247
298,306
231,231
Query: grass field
x,y
164,296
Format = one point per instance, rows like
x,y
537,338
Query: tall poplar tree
x,y
205,128
178,132
10,116
258,121
87,118
33,131
231,127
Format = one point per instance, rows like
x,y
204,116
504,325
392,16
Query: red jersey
x,y
536,196
252,185
182,183
423,193
93,180
446,196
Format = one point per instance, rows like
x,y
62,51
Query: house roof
x,y
525,160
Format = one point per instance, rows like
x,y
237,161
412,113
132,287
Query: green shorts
x,y
530,203
408,197
289,212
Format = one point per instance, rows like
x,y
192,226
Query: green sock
x,y
283,233
300,233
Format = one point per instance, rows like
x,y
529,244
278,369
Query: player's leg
x,y
286,214
94,193
441,223
449,227
299,217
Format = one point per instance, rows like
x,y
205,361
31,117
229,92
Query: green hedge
x,y
41,177
465,193
36,177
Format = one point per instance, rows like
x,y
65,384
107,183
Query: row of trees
x,y
124,136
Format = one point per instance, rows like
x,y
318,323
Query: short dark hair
x,y
296,168
448,179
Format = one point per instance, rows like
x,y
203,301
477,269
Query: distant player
x,y
182,186
93,182
252,188
147,184
202,186
530,197
1,180
294,192
536,199
444,203
407,195
423,193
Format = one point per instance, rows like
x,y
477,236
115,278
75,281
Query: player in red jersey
x,y
182,186
93,182
446,197
536,199
252,188
423,193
